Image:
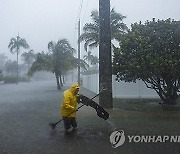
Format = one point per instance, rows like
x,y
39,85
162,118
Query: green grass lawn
x,y
144,105
146,116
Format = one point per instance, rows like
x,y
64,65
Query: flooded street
x,y
27,109
25,112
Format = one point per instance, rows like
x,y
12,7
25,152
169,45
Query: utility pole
x,y
17,58
105,56
79,52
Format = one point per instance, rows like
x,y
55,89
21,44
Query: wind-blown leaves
x,y
90,33
43,62
58,60
16,43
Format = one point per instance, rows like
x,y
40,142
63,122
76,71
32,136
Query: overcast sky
x,y
42,21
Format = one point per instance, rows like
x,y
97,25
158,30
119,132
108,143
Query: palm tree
x,y
62,53
90,58
10,67
15,45
90,33
28,57
94,60
104,28
59,60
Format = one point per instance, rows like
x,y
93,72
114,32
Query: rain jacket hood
x,y
74,87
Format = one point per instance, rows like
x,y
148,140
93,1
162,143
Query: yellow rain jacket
x,y
69,101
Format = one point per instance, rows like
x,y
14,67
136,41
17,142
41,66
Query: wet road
x,y
27,108
25,111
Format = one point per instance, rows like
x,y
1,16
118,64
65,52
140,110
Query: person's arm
x,y
67,102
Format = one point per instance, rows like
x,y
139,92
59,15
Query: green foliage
x,y
90,33
28,57
1,75
151,52
90,58
43,62
59,60
10,67
2,60
13,79
16,43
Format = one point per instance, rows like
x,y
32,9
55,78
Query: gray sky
x,y
42,21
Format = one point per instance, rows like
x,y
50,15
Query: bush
x,y
10,79
1,75
13,79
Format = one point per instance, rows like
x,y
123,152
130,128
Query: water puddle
x,y
111,123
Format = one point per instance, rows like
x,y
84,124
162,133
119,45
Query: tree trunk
x,y
105,56
169,97
63,79
61,82
57,81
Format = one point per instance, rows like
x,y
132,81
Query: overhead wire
x,y
77,18
87,3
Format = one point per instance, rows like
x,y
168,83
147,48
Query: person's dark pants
x,y
69,121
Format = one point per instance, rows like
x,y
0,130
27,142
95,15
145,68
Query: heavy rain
x,y
89,76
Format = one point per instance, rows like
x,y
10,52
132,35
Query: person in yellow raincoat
x,y
68,105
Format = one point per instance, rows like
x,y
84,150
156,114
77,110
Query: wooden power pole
x,y
79,52
105,56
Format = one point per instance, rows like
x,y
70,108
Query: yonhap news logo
x,y
117,138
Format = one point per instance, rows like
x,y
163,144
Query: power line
x,y
80,9
85,12
78,17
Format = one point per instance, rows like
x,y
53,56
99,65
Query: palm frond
x,y
90,34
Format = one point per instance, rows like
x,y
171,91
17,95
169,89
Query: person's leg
x,y
67,124
74,123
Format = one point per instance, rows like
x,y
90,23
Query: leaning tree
x,y
62,53
58,60
151,52
28,57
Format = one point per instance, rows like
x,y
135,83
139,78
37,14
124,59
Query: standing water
x,y
111,122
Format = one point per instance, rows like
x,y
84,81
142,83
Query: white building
x,y
90,81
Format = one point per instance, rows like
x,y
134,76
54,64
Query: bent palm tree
x,y
59,60
61,52
90,33
28,57
15,45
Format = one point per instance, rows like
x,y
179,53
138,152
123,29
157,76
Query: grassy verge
x,y
13,79
143,105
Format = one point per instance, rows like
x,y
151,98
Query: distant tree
x,y
2,60
63,59
1,75
10,67
151,52
15,44
90,33
59,60
29,57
